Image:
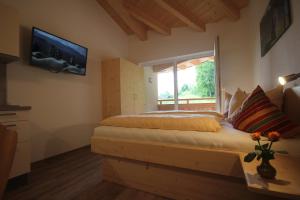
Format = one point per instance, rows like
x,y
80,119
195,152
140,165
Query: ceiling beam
x,y
228,8
119,12
143,17
105,5
182,14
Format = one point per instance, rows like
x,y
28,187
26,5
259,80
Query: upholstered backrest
x,y
291,105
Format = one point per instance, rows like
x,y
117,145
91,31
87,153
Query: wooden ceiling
x,y
140,16
166,67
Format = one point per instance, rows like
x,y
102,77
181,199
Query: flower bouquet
x,y
264,152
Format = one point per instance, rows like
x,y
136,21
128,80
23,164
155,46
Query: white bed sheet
x,y
227,138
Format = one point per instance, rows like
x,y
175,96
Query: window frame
x,y
179,59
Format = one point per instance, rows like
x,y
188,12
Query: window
x,y
196,84
189,82
165,88
187,85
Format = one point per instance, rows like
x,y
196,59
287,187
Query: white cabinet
x,y
18,120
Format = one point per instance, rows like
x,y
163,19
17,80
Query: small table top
x,y
286,183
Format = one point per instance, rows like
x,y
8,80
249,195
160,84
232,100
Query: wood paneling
x,y
132,88
228,8
147,19
162,15
108,8
177,155
182,14
175,183
122,88
111,92
118,9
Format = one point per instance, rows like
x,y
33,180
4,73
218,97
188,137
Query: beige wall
x,y
9,23
284,57
151,92
65,107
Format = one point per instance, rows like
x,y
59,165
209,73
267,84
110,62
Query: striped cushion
x,y
258,114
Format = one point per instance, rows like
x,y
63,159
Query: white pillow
x,y
227,98
236,101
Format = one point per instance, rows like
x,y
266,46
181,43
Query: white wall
x,y
151,93
284,56
65,107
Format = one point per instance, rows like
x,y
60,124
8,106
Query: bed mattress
x,y
227,138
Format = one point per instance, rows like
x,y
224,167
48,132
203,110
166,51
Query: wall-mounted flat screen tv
x,y
57,54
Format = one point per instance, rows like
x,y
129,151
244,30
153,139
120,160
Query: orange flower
x,y
273,136
256,136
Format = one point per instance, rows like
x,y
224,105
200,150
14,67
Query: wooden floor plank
x,y
76,175
73,175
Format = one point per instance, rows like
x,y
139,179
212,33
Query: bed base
x,y
174,171
172,182
182,156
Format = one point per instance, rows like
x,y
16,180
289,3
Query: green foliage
x,y
205,80
249,157
166,95
183,90
261,151
262,147
204,86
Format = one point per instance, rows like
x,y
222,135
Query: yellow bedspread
x,y
197,122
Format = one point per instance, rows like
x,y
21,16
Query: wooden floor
x,y
76,175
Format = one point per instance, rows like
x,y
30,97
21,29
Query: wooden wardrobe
x,y
123,88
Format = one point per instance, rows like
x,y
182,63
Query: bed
x,y
176,163
227,139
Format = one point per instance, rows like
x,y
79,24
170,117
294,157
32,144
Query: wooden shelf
x,y
14,108
287,181
5,59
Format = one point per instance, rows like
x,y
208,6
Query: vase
x,y
266,170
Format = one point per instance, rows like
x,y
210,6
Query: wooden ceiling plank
x,y
228,8
137,27
147,19
182,14
115,16
162,67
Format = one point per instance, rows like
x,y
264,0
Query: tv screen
x,y
56,54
